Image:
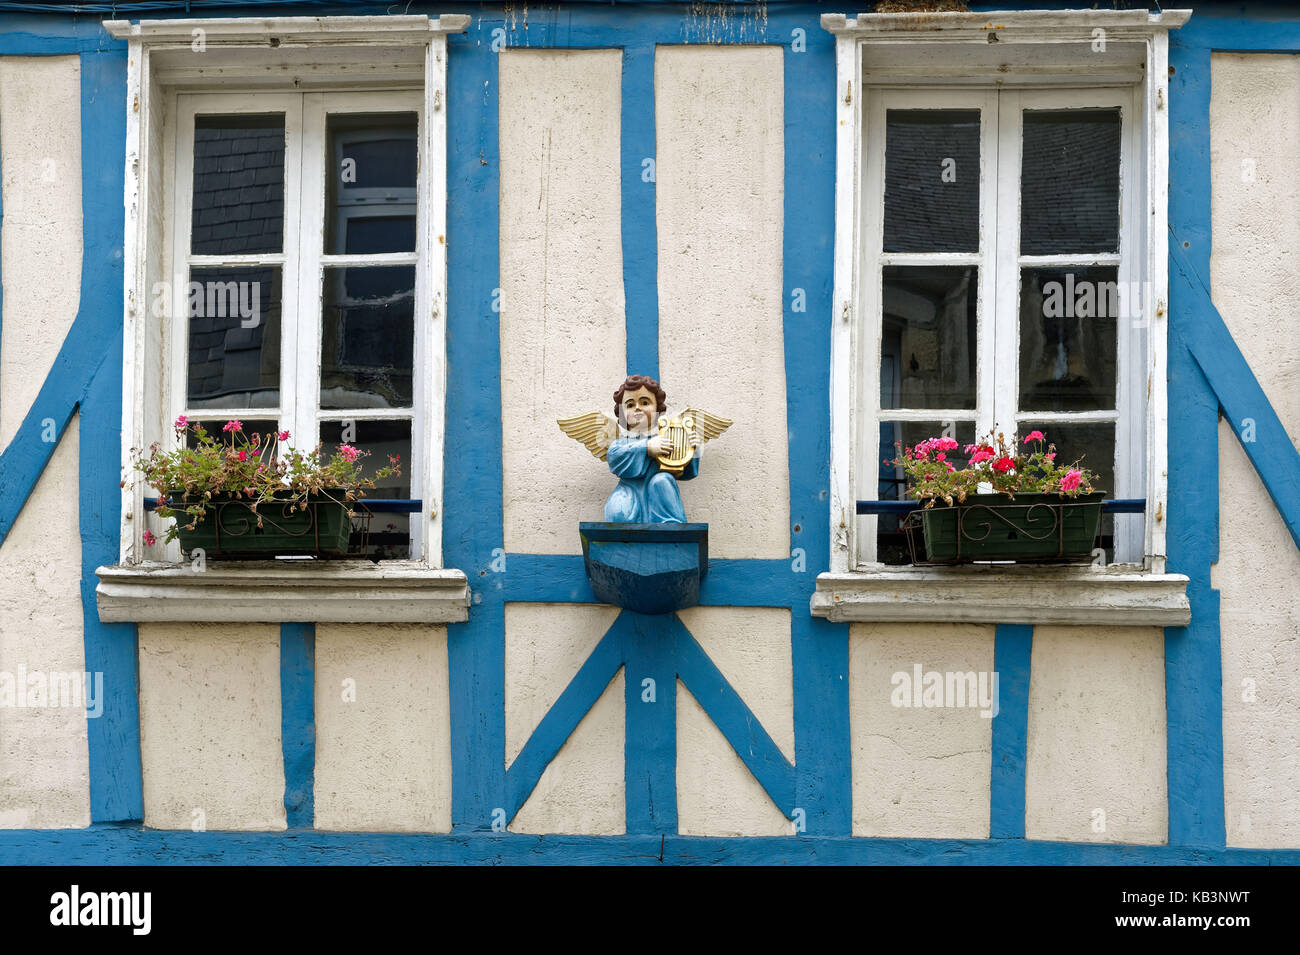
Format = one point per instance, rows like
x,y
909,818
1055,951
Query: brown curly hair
x,y
632,383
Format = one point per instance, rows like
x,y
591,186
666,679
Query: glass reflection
x,y
370,197
1069,337
238,202
234,337
368,337
927,357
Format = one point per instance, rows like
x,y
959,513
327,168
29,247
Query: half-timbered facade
x,y
431,232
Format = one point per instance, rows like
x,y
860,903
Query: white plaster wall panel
x,y
210,726
751,647
383,740
717,795
720,193
1254,274
583,790
1259,626
1096,765
920,771
563,342
546,644
40,248
44,757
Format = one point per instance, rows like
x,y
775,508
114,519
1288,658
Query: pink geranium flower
x,y
283,435
149,539
980,456
234,426
349,453
181,423
1004,465
1050,457
1035,436
1071,480
243,455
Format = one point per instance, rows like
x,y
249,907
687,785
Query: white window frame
x,y
377,63
972,56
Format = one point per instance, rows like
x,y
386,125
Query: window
x,y
285,247
1000,264
295,249
998,276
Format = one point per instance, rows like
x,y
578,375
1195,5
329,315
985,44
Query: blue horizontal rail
x,y
903,508
380,505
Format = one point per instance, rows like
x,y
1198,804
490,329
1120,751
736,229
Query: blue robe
x,y
645,494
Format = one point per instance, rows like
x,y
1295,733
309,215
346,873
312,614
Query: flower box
x,y
1030,527
230,527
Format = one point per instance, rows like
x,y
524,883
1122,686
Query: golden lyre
x,y
675,439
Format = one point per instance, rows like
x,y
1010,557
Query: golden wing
x,y
595,429
707,426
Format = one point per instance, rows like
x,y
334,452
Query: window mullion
x,y
308,193
1005,365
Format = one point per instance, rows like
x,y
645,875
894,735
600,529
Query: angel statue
x,y
648,452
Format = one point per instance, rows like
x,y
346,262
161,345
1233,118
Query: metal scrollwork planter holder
x,y
1032,528
232,528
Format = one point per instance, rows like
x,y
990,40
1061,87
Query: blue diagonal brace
x,y
736,721
586,687
1248,410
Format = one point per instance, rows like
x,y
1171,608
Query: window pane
x,y
1094,443
368,337
1068,338
1069,188
390,534
932,180
370,194
234,337
928,337
891,543
238,203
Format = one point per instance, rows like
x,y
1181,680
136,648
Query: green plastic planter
x,y
1033,527
229,529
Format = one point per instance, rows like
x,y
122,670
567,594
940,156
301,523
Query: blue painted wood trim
x,y
298,722
116,783
903,508
650,747
1193,669
562,578
1012,648
380,505
472,497
819,649
736,721
640,224
131,845
546,741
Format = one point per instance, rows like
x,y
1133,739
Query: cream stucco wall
x,y
563,344
383,735
582,790
210,726
1255,281
44,759
720,193
918,771
1096,765
44,762
40,248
